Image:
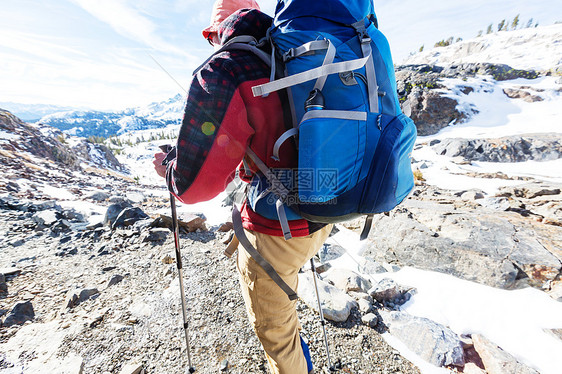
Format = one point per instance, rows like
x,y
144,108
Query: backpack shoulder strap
x,y
243,42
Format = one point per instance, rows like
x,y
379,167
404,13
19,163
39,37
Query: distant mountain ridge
x,y
33,112
97,123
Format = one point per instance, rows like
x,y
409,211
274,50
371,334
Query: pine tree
x,y
490,28
421,48
480,33
515,22
501,25
530,23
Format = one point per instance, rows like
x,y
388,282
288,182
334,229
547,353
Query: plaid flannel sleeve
x,y
207,101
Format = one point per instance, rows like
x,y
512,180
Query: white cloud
x,y
44,49
128,22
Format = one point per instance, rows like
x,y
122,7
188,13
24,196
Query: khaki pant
x,y
271,313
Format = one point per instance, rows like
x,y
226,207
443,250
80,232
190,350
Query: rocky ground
x,y
105,299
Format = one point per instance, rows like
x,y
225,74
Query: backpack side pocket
x,y
331,150
390,178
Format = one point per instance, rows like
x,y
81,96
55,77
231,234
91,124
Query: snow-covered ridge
x,y
95,123
534,48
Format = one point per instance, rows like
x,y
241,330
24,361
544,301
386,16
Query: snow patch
x,y
506,47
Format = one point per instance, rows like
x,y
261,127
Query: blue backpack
x,y
354,142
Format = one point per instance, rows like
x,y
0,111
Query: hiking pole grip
x,y
176,230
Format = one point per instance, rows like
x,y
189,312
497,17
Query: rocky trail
x,y
106,300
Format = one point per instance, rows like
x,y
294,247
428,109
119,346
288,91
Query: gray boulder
x,y
530,190
368,266
370,319
114,210
336,304
9,202
156,235
537,147
97,196
117,278
498,361
514,93
330,252
431,341
484,246
48,205
346,280
433,111
75,297
20,313
365,306
387,290
136,197
128,217
46,218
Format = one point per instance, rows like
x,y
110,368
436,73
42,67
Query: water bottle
x,y
315,101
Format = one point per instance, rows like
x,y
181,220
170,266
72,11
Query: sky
x,y
109,54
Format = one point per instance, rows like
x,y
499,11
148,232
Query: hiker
x,y
222,121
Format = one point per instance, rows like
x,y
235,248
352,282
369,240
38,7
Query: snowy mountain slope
x,y
95,123
533,48
21,140
493,109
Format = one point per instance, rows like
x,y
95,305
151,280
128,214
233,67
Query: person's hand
x,y
160,169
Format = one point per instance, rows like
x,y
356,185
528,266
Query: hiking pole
x,y
175,228
322,321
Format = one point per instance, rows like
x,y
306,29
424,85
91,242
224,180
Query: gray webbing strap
x,y
309,75
266,266
278,189
273,65
316,45
286,135
340,114
328,59
244,42
247,170
250,48
372,86
283,219
276,186
263,194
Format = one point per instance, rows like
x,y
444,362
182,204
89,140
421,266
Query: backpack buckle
x,y
289,55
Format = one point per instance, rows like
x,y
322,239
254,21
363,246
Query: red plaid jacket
x,y
222,119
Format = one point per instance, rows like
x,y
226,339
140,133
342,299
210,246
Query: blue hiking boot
x,y
306,352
